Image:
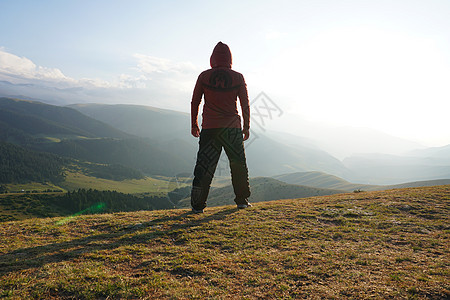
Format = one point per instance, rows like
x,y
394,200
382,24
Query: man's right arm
x,y
245,106
195,103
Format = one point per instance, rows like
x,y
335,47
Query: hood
x,y
221,56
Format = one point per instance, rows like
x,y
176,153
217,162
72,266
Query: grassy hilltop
x,y
383,244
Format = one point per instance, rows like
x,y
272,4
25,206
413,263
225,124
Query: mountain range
x,y
272,153
266,155
327,181
155,141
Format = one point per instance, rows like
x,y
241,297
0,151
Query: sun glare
x,y
365,77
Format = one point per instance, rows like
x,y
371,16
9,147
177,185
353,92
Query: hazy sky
x,y
378,64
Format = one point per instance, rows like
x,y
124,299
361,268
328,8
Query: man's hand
x,y
246,133
195,131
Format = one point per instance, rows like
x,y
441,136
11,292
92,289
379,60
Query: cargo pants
x,y
210,147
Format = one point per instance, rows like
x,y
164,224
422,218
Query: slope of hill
x,y
263,189
379,245
322,180
39,118
139,120
137,153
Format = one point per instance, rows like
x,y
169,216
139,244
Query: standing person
x,y
221,128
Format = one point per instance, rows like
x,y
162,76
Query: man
x,y
221,128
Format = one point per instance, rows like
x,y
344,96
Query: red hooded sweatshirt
x,y
220,87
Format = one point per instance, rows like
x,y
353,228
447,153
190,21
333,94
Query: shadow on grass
x,y
36,257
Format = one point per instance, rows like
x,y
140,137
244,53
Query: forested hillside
x,y
68,133
139,154
21,165
79,202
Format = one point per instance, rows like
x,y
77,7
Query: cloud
x,y
148,68
127,81
151,80
22,67
150,64
163,73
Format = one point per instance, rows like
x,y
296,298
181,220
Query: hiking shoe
x,y
243,206
198,199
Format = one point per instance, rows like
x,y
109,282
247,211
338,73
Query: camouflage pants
x,y
210,147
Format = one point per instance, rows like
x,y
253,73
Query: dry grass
x,y
388,244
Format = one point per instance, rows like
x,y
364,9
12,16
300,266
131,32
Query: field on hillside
x,y
75,181
385,244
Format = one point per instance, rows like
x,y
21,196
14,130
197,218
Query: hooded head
x,y
221,56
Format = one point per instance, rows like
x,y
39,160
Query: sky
x,y
378,64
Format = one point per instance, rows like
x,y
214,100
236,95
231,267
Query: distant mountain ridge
x,y
437,155
38,118
323,180
413,184
388,169
139,120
